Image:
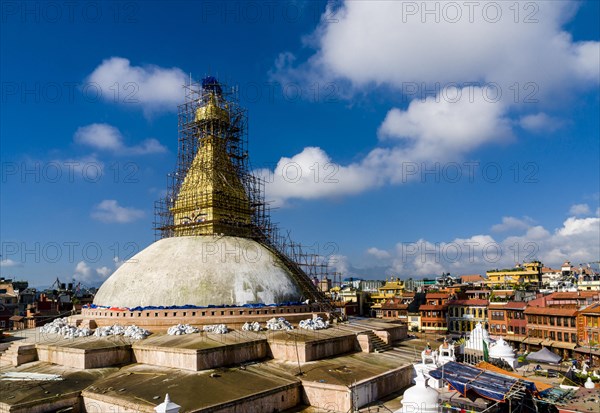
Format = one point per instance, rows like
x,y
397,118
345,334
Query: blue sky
x,y
447,136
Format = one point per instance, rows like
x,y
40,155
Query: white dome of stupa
x,y
200,271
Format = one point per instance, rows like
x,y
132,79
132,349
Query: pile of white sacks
x,y
279,324
133,331
314,324
181,329
62,327
216,328
255,326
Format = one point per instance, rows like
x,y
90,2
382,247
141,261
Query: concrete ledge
x,y
200,359
45,405
343,398
82,358
290,348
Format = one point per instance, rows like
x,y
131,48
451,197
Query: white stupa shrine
x,y
503,351
476,338
420,398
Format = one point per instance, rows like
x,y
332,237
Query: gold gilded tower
x,y
212,199
209,194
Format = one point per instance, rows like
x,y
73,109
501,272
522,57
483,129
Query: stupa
x,y
477,337
217,248
503,351
420,398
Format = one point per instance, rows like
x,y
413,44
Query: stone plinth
x,y
200,351
306,345
135,388
86,352
353,381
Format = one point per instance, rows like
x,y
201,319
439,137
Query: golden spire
x,y
212,111
212,199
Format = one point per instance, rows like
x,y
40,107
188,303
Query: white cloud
x,y
110,211
339,263
579,209
105,137
83,272
151,87
577,240
396,43
6,263
312,174
428,131
512,223
578,226
448,125
540,122
104,272
469,71
86,274
377,253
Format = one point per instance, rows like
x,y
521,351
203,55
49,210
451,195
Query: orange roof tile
x,y
558,311
471,278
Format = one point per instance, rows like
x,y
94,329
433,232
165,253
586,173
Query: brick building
x,y
395,309
498,318
434,313
552,327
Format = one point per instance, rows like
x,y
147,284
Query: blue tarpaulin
x,y
462,378
189,306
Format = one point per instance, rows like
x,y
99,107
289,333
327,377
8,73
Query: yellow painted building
x,y
392,288
528,273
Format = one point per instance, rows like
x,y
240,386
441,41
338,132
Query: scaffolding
x,y
213,191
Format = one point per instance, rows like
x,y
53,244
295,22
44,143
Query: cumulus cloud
x,y
110,211
577,240
312,174
151,87
377,253
540,122
428,131
474,68
85,273
448,125
105,137
7,263
104,271
457,43
512,223
579,209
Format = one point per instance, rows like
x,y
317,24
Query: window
x,y
552,335
559,336
573,338
573,322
